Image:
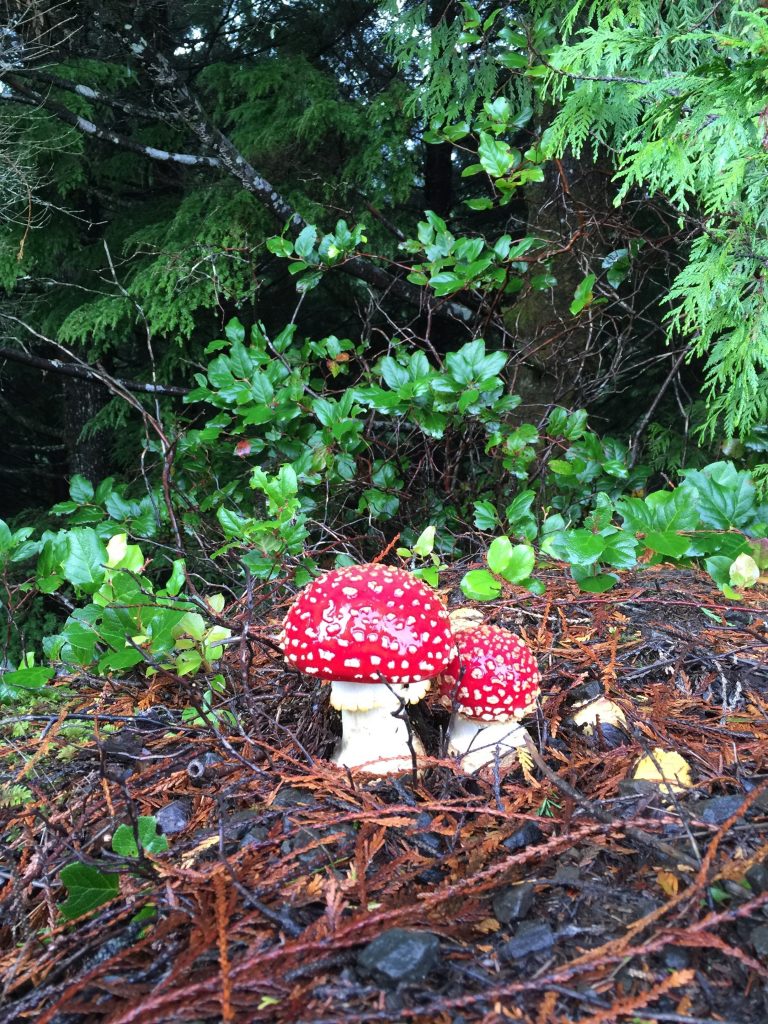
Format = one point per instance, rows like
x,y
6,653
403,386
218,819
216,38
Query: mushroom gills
x,y
477,743
370,696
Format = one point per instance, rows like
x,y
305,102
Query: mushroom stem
x,y
476,743
374,736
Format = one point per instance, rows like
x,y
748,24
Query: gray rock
x,y
527,835
530,937
289,796
718,809
759,938
638,787
257,834
431,876
513,904
590,690
399,955
676,957
757,876
174,817
334,843
568,874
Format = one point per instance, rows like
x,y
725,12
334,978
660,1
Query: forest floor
x,y
292,891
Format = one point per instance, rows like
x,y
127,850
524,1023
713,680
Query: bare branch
x,y
68,369
82,124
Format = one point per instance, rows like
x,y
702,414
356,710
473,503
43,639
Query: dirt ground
x,y
559,892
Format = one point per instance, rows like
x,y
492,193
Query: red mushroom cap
x,y
366,623
500,680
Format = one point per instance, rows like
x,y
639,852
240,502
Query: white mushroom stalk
x,y
381,636
374,732
479,743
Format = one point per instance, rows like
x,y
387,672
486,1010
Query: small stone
x,y
638,787
718,809
590,690
757,876
568,874
527,835
759,938
399,955
431,876
124,747
676,958
428,843
331,844
174,817
513,904
530,937
289,796
257,834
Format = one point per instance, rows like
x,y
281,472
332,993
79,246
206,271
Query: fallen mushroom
x,y
601,717
493,683
380,636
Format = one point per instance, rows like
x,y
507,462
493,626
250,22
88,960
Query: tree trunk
x,y
438,162
557,352
87,454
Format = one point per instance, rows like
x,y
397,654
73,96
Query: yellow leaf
x,y
665,766
668,881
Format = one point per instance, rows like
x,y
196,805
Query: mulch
x,y
282,867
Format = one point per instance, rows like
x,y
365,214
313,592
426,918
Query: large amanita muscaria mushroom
x,y
381,636
493,684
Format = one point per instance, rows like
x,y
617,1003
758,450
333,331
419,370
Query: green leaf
x,y
124,840
486,517
87,888
719,568
305,243
620,550
672,545
445,283
510,59
85,560
280,246
425,542
513,562
480,585
495,157
187,662
499,554
744,571
482,203
597,584
80,489
28,678
583,295
576,546
178,577
724,496
235,331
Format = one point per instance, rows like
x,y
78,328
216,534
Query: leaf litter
x,y
644,902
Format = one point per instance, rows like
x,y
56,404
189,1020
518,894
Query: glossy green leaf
x,y
480,585
87,888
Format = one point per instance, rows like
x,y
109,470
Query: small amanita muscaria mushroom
x,y
493,684
381,636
